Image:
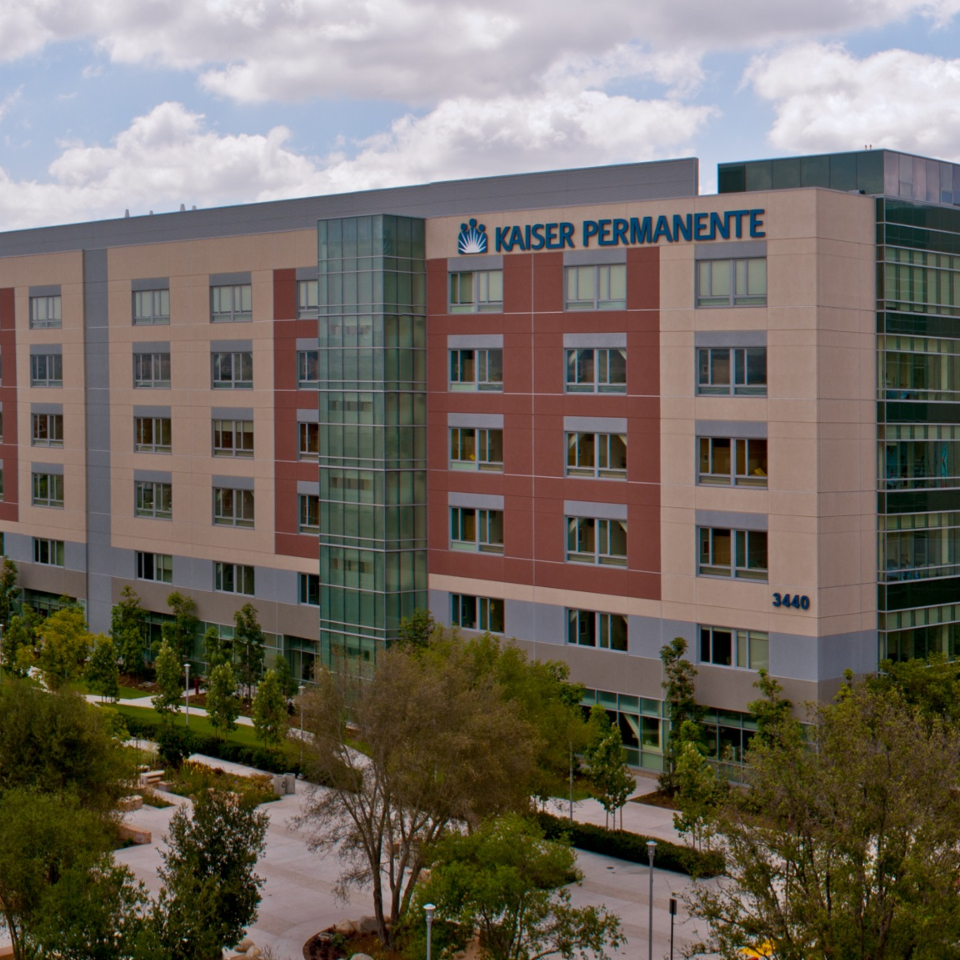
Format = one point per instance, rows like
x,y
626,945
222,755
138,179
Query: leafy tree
x,y
180,632
285,677
846,845
102,673
680,687
249,642
209,892
932,684
63,645
772,711
701,790
216,649
505,883
20,641
9,591
127,630
169,681
269,710
223,704
417,629
607,765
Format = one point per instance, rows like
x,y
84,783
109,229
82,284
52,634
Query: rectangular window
x,y
46,429
476,448
152,434
597,455
726,460
47,490
741,371
591,540
155,566
1,500
600,370
232,508
231,303
151,307
233,578
476,369
309,448
46,370
747,649
732,283
233,438
733,553
308,302
153,499
588,628
477,530
45,312
310,589
598,287
308,363
151,371
479,291
232,371
49,552
476,613
309,513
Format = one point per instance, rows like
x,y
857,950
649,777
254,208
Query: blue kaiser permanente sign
x,y
635,231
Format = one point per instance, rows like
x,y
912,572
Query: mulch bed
x,y
320,947
657,799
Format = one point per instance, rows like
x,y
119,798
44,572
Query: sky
x,y
141,105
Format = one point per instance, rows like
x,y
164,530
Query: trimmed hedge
x,y
633,847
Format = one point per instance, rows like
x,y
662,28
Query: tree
x,y
679,685
63,644
846,845
932,684
9,591
607,765
209,892
223,704
249,642
772,711
269,710
417,629
180,632
216,649
507,884
169,682
285,677
701,790
127,630
102,673
20,641
435,756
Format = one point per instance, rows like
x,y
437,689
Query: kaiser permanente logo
x,y
730,224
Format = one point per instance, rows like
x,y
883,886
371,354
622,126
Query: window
x,y
477,530
152,434
597,455
153,499
233,438
155,566
741,371
587,628
475,448
308,302
233,578
47,490
232,371
732,283
45,312
46,429
232,508
46,370
597,541
151,307
476,613
1,501
151,371
231,303
600,287
49,552
309,441
600,370
309,513
308,362
733,461
749,649
733,553
476,369
480,291
310,589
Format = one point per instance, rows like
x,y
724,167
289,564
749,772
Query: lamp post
x,y
187,720
673,916
651,851
301,688
571,782
1,653
428,909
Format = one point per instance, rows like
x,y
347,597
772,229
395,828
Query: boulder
x,y
361,956
137,835
133,802
367,925
244,945
346,927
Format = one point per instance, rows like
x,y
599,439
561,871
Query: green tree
x,y
9,591
607,769
701,790
846,844
102,673
507,884
180,632
772,711
269,710
680,686
249,642
20,641
223,704
932,684
417,629
169,681
63,643
209,892
127,620
285,677
216,649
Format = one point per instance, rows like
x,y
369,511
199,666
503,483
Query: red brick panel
x,y
285,294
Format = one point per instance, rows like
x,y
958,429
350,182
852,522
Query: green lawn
x,y
198,724
126,693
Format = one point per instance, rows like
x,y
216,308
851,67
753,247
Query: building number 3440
x,y
791,600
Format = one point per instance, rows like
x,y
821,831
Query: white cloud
x,y
827,99
9,100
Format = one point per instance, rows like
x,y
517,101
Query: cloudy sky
x,y
147,104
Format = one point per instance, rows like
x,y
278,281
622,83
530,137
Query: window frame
x,y
161,563
477,383
53,497
733,477
142,446
149,370
741,643
601,277
304,584
738,268
48,360
308,509
305,309
485,524
598,556
483,443
232,315
46,322
303,367
237,431
56,547
600,629
739,547
309,431
233,383
488,613
155,317
600,363
51,419
597,471
738,366
480,300
242,503
147,507
244,570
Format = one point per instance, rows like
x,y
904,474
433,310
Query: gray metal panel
x,y
732,428
308,343
231,413
152,346
438,602
231,346
308,416
152,412
308,273
731,519
586,258
602,511
730,338
474,341
482,501
47,290
308,488
795,656
43,349
233,483
55,469
575,340
595,424
847,651
730,249
151,283
44,407
153,476
75,558
490,421
276,586
192,573
18,547
492,261
230,279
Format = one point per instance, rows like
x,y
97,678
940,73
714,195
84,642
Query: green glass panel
x,y
759,175
731,178
786,173
843,171
815,171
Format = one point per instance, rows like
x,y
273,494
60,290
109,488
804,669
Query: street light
x,y
301,688
651,851
571,782
188,695
428,909
673,916
1,653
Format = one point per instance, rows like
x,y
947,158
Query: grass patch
x,y
192,779
126,693
150,799
198,724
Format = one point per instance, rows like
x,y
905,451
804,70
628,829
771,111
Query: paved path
x,y
146,702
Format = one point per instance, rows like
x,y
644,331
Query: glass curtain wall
x,y
372,456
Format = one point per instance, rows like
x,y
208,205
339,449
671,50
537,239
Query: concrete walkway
x,y
148,704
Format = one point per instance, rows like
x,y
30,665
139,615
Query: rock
x,y
367,925
253,952
244,945
132,802
346,927
127,831
361,956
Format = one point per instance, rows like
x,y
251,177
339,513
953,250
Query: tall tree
x,y
607,769
285,677
417,629
216,648
20,641
9,591
181,632
679,684
223,704
772,711
249,642
63,643
102,672
169,681
127,629
269,711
